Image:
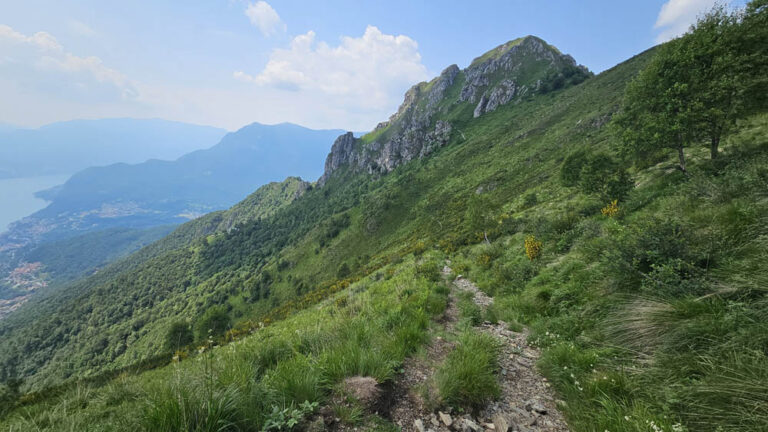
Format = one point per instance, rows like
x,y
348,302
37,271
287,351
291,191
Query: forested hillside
x,y
597,211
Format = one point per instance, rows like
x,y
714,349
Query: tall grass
x,y
270,379
467,376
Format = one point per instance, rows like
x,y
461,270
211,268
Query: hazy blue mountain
x,y
67,147
103,213
158,192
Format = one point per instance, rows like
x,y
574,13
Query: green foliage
x,y
297,380
598,174
179,335
185,408
479,214
467,377
530,199
343,271
570,170
602,175
288,418
469,312
697,86
214,322
270,380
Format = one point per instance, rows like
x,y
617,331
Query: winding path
x,y
526,403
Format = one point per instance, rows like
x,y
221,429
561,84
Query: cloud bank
x,y
265,18
676,16
40,64
370,72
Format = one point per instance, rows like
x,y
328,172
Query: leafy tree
x,y
602,175
570,171
658,110
698,85
343,271
596,174
716,81
752,39
479,214
179,335
214,321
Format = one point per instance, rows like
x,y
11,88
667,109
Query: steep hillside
x,y
354,222
649,308
68,147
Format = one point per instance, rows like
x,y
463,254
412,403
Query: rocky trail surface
x,y
526,403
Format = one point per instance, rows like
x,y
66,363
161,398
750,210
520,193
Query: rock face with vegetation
x,y
510,72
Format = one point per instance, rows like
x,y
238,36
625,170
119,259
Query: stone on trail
x,y
500,423
419,425
470,425
446,418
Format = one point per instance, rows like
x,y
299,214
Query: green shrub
x,y
597,174
287,418
469,312
343,271
570,170
603,176
179,335
429,270
215,321
530,199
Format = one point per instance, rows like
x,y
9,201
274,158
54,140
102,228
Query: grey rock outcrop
x,y
419,127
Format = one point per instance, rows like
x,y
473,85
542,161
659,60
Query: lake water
x,y
17,196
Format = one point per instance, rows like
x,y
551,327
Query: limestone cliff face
x,y
506,74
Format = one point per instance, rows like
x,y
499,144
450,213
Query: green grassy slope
x,y
119,317
655,316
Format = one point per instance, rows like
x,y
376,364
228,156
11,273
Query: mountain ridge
x,y
508,73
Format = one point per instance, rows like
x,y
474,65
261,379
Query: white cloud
x,y
265,18
676,16
369,73
81,29
40,64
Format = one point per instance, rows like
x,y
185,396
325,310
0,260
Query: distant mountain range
x,y
68,147
135,204
165,192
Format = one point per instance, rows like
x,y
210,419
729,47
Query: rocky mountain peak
x,y
508,73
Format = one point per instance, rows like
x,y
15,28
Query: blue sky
x,y
322,64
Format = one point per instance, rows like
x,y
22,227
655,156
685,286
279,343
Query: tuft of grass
x,y
349,414
297,380
733,393
467,376
351,359
470,314
182,406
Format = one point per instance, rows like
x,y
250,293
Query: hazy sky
x,y
322,64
